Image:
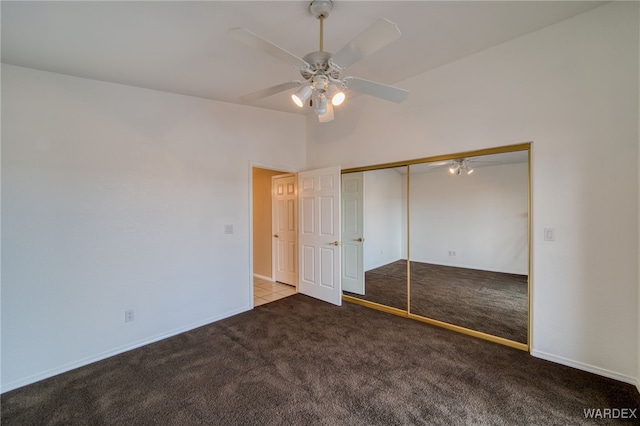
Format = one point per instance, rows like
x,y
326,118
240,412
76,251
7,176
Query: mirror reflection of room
x,y
383,230
469,243
464,224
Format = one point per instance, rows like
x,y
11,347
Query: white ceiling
x,y
180,46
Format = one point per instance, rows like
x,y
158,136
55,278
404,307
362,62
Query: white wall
x,y
384,224
116,198
481,217
572,89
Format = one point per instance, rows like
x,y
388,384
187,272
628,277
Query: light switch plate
x,y
549,234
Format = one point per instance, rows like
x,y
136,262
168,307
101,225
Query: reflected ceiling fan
x,y
323,85
459,166
456,167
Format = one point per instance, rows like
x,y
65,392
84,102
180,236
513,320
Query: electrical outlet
x,y
228,229
129,315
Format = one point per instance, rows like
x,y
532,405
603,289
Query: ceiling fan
x,y
323,85
459,166
456,167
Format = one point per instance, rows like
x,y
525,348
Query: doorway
x,y
317,252
265,287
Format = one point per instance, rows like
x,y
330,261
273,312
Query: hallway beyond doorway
x,y
265,291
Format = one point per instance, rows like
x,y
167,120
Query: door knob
x,y
360,240
275,235
335,243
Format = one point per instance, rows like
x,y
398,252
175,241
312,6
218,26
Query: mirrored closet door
x,y
381,218
469,246
443,240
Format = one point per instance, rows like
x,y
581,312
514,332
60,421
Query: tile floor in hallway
x,y
265,291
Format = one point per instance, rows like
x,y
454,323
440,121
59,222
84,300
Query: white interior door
x,y
285,235
319,234
352,232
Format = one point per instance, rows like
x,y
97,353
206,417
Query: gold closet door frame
x,y
526,146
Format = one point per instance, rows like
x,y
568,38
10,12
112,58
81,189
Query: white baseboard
x,y
104,355
476,267
382,263
263,277
454,265
586,367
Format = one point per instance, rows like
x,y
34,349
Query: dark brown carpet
x,y
490,302
299,361
386,285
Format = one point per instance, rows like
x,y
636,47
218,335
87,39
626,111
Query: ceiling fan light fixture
x,y
336,95
320,104
338,98
328,116
301,96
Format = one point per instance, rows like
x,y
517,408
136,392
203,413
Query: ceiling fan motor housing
x,y
321,8
319,64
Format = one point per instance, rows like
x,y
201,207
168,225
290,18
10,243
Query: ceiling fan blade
x,y
379,90
255,41
270,91
375,37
